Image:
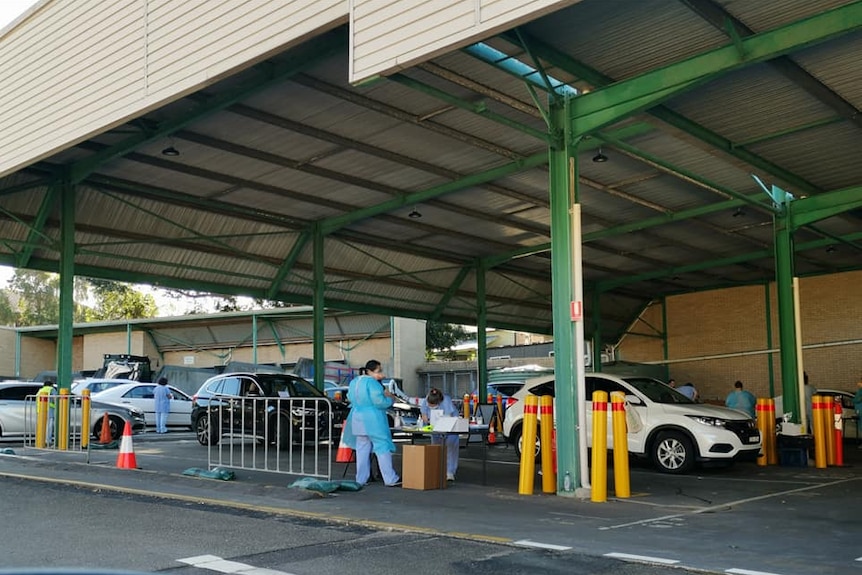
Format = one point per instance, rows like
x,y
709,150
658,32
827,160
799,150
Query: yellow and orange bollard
x,y
528,446
599,470
41,420
85,418
63,417
465,408
764,425
622,483
771,439
819,429
549,474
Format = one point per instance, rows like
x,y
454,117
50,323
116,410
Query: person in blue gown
x,y
367,429
741,399
437,401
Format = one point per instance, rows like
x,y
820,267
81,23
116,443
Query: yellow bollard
x,y
500,406
41,420
466,406
528,446
622,480
829,436
85,418
62,415
817,428
599,471
549,474
763,425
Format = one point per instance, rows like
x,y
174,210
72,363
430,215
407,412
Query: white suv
x,y
663,424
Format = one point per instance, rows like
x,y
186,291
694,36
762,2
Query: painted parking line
x,y
537,544
642,558
748,572
712,508
214,563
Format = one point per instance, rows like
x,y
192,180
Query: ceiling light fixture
x,y
830,249
170,151
415,214
738,213
600,157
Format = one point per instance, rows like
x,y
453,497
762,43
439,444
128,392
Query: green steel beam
x,y
612,103
815,208
480,108
300,59
288,263
66,267
276,337
784,274
450,292
26,186
563,178
332,224
596,78
318,310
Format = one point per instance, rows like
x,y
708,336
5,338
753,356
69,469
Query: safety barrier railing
x,y
287,435
64,427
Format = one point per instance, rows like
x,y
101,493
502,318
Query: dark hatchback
x,y
272,408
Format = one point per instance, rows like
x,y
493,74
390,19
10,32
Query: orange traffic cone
x,y
126,457
105,436
344,453
492,436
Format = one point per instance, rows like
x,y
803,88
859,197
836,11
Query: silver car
x,y
17,413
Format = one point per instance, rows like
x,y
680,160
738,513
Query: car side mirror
x,y
633,400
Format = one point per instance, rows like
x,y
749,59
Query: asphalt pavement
x,y
738,519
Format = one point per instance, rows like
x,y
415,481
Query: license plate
x,y
754,439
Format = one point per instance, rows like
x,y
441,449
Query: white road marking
x,y
646,558
747,572
728,504
214,563
528,543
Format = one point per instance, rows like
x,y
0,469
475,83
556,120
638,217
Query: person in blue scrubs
x,y
367,429
162,397
437,401
741,400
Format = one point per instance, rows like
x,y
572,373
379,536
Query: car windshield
x,y
281,386
656,390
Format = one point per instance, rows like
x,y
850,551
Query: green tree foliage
x,y
115,300
441,337
33,298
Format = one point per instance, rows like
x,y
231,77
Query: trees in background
x,y
440,338
33,298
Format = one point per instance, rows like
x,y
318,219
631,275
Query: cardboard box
x,y
423,467
791,428
448,424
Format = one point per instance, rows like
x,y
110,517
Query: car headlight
x,y
713,421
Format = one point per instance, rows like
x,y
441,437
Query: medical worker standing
x,y
367,428
442,404
162,396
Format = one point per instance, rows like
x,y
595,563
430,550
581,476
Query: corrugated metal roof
x,y
255,177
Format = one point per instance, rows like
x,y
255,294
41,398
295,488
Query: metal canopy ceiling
x,y
287,151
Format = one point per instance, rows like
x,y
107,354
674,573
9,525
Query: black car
x,y
273,408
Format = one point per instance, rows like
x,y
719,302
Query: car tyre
x,y
202,431
518,439
673,452
116,424
280,428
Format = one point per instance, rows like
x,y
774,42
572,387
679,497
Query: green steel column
x,y
128,338
17,354
254,338
770,363
481,324
67,284
597,330
786,323
665,347
318,312
562,178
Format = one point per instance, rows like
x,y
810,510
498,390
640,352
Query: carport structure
x,y
311,153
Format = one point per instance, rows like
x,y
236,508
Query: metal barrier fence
x,y
287,435
68,429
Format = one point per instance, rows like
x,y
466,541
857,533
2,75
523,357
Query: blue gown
x,y
367,415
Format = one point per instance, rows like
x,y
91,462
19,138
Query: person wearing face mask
x,y
442,404
367,429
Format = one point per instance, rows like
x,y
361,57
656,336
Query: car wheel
x,y
673,452
518,440
116,424
280,431
202,431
